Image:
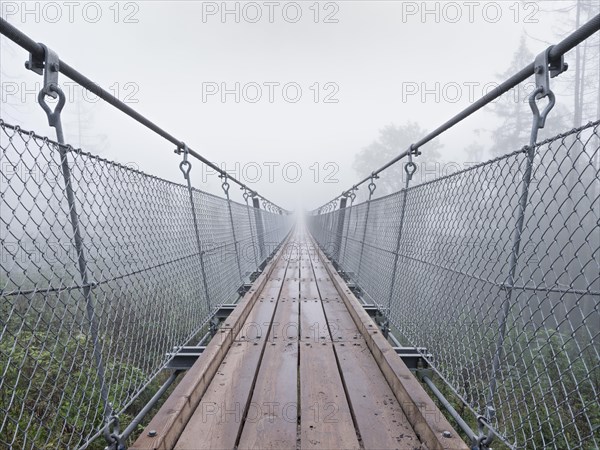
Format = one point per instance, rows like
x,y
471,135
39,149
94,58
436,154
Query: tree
x,y
586,94
515,113
393,140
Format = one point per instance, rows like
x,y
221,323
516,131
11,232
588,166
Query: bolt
x,y
152,433
447,434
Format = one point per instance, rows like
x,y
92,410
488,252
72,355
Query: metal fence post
x,y
372,186
256,263
543,67
50,67
352,196
260,230
185,166
410,168
340,229
225,186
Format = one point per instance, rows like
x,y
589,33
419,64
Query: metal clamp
x,y
484,439
414,150
352,196
544,69
185,166
372,186
113,436
225,185
49,66
410,167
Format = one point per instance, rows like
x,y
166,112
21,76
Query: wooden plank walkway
x,y
299,365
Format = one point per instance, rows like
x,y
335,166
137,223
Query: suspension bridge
x,y
461,312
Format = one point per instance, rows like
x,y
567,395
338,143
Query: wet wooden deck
x,y
299,364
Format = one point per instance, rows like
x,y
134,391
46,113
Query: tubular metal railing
x,y
495,271
104,271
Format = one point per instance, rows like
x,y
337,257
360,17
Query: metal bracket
x,y
414,357
372,186
49,66
484,440
410,167
414,150
254,275
544,69
182,358
113,437
422,373
244,288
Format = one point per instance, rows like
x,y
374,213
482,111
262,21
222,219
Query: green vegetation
x,y
545,394
50,392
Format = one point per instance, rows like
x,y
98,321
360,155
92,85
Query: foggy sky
x,y
372,49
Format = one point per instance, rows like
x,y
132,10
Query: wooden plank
x,y
271,422
325,418
379,418
340,322
341,325
286,325
256,326
310,249
181,404
217,421
291,286
313,324
425,418
308,285
218,418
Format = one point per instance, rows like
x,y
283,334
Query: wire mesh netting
x,y
521,349
83,332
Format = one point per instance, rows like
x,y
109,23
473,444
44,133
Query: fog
x,y
312,90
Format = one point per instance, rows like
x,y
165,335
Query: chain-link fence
x,y
510,314
75,349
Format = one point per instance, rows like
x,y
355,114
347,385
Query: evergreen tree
x,y
393,140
